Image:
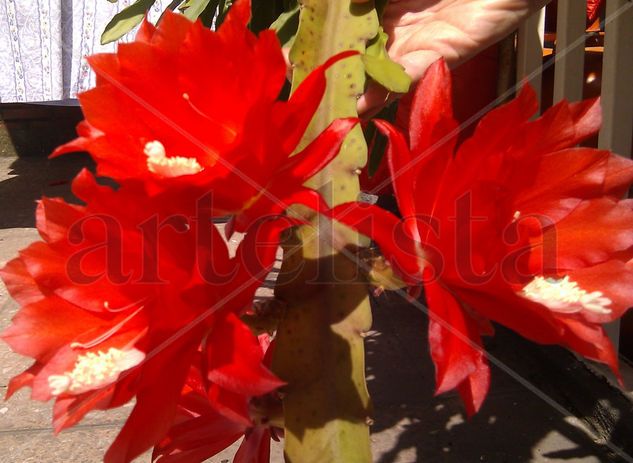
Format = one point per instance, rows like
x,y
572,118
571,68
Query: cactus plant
x,y
319,342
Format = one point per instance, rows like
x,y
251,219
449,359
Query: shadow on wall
x,y
514,425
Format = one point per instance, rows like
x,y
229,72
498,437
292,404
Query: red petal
x,y
488,138
400,250
198,439
255,258
40,329
587,117
155,407
54,217
593,8
304,101
86,133
590,234
403,169
235,359
145,32
273,204
270,67
171,32
474,389
456,348
236,20
232,405
318,153
618,177
590,341
69,410
255,448
614,279
20,283
492,300
24,379
431,118
576,172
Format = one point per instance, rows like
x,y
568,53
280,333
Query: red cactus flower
x,y
118,302
593,8
516,226
186,105
204,427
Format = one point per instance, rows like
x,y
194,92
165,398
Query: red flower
x,y
184,105
516,225
593,8
205,427
117,302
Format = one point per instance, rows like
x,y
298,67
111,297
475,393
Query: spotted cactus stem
x,y
320,350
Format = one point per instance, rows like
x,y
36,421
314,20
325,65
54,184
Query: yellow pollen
x,y
565,296
175,166
94,370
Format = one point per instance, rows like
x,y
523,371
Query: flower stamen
x,y
94,370
175,166
565,296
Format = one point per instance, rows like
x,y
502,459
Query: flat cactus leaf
x,y
320,352
192,9
380,67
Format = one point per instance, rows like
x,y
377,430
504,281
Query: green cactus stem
x,y
320,350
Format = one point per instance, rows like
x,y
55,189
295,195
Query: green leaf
x,y
171,7
286,26
382,69
192,9
125,20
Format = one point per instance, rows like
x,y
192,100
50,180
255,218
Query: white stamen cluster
x,y
565,296
94,370
160,164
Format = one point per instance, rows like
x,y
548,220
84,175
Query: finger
x,y
373,100
286,52
416,63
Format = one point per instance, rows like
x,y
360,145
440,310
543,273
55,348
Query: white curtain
x,y
43,44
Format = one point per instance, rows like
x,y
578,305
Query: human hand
x,y
422,31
